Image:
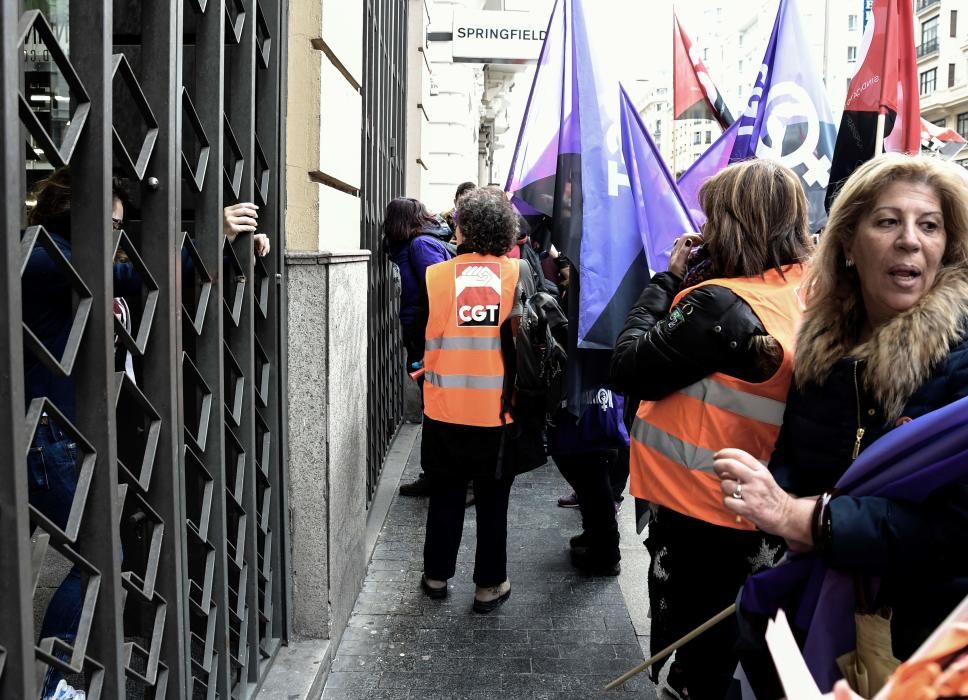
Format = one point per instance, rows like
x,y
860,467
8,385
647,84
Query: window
x,y
954,24
928,81
851,23
697,138
940,122
929,30
851,54
709,136
951,75
963,125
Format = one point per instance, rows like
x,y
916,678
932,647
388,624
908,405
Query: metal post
x,y
16,632
92,246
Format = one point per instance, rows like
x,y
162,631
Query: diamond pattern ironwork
x,y
34,22
139,429
234,387
233,283
195,162
263,37
143,531
263,369
232,160
149,296
234,21
202,287
198,412
261,288
85,457
128,90
36,260
261,174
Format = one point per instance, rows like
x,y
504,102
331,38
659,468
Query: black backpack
x,y
535,377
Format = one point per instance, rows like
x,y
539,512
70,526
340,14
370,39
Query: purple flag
x,y
787,119
661,214
568,176
907,464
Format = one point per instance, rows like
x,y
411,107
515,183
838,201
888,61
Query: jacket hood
x,y
901,354
439,229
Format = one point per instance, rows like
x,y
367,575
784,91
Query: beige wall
x,y
324,116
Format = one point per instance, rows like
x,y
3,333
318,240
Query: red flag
x,y
694,94
946,142
885,83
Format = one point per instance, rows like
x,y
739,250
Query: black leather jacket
x,y
662,350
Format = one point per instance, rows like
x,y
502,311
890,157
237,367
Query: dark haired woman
x,y
414,241
710,350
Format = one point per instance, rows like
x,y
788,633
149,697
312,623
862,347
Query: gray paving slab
x,y
560,636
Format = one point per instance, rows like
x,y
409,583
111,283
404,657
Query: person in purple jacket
x,y
415,239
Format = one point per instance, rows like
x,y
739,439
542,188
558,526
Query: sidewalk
x,y
561,636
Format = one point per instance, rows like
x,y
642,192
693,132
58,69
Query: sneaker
x,y
489,599
569,501
417,488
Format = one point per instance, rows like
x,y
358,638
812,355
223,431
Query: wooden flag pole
x,y
879,133
711,622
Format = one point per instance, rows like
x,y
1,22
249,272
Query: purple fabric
x,y
907,464
715,158
573,105
661,214
413,259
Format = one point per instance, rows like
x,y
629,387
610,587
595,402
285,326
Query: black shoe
x,y
432,591
485,606
418,488
579,541
592,565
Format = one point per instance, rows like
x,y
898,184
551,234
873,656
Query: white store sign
x,y
497,37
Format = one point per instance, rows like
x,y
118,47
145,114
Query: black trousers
x,y
445,526
589,474
696,571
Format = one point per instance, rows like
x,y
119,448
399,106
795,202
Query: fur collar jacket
x,y
900,356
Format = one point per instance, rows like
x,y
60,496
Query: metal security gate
x,y
158,410
384,127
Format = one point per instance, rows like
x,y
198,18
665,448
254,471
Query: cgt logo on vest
x,y
478,287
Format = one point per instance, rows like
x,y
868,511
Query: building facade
x,y
941,36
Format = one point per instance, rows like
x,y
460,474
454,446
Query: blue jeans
x,y
52,479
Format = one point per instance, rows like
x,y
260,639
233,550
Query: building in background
x,y
941,34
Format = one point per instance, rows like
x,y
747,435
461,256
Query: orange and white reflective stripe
x,y
673,448
760,408
464,381
464,343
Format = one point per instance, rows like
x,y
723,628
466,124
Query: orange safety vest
x,y
673,440
470,297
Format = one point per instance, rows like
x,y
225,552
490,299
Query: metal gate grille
x,y
384,124
173,533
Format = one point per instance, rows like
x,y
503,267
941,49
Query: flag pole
x,y
879,134
711,622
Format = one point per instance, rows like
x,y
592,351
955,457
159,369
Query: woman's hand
x,y
680,252
239,218
750,491
260,244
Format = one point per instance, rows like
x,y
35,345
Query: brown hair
x,y
403,219
756,219
52,208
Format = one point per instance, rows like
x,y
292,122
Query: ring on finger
x,y
738,492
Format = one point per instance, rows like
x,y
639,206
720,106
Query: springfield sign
x,y
497,37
